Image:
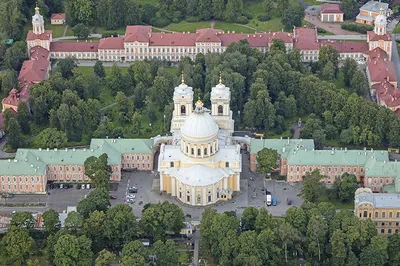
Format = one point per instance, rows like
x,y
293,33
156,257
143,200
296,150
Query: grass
x,y
58,30
312,2
185,26
336,202
397,29
226,26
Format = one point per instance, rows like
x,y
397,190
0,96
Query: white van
x,y
269,200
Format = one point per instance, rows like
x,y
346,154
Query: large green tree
x,y
50,138
72,251
51,221
9,81
312,186
16,246
345,187
267,160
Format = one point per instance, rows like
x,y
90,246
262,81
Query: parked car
x,y
88,186
130,201
113,197
289,201
61,185
133,190
269,199
131,197
66,186
78,186
274,202
83,186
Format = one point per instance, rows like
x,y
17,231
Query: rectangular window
x,y
383,215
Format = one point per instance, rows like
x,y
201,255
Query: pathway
x,y
96,35
246,26
343,37
212,24
65,30
196,239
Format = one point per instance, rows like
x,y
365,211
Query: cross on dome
x,y
183,78
199,107
220,78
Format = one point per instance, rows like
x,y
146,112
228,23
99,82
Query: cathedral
x,y
202,165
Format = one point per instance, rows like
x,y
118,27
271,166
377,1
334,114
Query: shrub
x,y
242,20
248,15
109,34
360,28
192,19
319,30
264,17
160,22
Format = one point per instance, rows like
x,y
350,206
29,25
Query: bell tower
x,y
380,23
183,105
37,22
220,106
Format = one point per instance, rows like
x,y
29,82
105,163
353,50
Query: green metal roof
x,y
335,157
124,146
383,169
25,164
283,146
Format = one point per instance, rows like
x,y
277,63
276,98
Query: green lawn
x,y
312,2
185,26
397,29
226,26
336,203
58,30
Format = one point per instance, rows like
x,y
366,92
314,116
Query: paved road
x,y
196,239
73,37
343,37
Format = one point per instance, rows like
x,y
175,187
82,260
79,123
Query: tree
x,y
394,249
51,221
23,117
204,10
328,53
120,226
15,56
72,250
278,45
345,187
99,69
218,7
233,10
281,6
338,247
248,250
136,251
97,200
359,83
349,68
312,186
51,138
10,81
98,170
81,31
328,72
296,217
267,160
73,222
349,8
116,80
23,220
94,228
288,237
317,230
267,247
16,245
11,19
249,218
292,16
264,220
66,67
166,253
105,258
375,254
136,122
157,219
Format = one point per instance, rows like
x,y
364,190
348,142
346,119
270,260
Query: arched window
x,y
205,151
172,164
187,149
183,110
227,164
365,214
220,110
192,151
198,152
211,149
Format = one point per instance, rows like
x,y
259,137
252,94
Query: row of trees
x,y
95,230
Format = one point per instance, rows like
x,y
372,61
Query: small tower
x,y
37,22
183,105
220,106
380,23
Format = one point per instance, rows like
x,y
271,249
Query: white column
x,y
193,196
238,181
173,193
205,196
225,182
161,181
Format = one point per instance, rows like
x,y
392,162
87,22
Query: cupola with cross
x,y
183,104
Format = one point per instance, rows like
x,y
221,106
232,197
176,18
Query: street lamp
x,y
239,121
163,126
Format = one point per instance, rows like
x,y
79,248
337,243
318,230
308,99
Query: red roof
x,y
38,53
44,36
33,71
377,53
380,69
347,47
331,9
111,43
372,36
58,16
207,35
74,46
137,33
306,38
12,98
387,94
172,39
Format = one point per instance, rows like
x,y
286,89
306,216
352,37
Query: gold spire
x,y
183,78
381,11
220,78
199,101
37,7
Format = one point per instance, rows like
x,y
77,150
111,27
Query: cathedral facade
x,y
202,165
